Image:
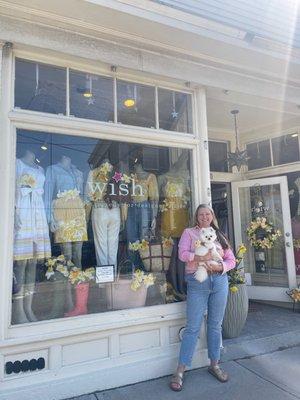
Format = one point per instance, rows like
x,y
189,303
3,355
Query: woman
x,y
210,295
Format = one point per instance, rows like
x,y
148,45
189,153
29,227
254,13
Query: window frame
x,y
37,121
121,76
269,138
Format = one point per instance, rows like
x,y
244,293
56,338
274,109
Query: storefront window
x,y
91,96
40,87
218,156
175,111
136,104
97,224
259,154
285,149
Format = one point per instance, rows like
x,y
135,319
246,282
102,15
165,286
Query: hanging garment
x,y
106,228
174,207
63,203
31,238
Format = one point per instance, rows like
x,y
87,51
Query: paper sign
x,y
105,273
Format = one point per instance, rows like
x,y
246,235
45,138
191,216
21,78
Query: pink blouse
x,y
186,248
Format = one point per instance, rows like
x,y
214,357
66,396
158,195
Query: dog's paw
x,y
201,274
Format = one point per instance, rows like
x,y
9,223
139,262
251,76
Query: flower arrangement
x,y
262,234
27,180
144,244
139,278
58,265
234,275
77,276
296,243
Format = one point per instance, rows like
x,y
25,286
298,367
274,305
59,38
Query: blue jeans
x,y
210,295
138,226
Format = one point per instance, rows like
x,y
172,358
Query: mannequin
x,y
141,219
174,187
102,192
31,235
66,216
65,209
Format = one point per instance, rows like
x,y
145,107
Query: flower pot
x,y
120,296
236,312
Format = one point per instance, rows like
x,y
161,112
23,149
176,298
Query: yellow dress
x,y
174,207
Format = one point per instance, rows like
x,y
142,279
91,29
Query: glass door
x,y
269,262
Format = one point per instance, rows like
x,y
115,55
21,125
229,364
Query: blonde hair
x,y
222,239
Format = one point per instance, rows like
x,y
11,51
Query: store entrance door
x,y
270,272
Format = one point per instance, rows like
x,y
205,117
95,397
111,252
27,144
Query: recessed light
x,y
44,147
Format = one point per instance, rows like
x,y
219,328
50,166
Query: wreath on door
x,y
262,234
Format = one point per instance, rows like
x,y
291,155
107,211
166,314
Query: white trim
x,y
258,291
202,131
7,156
143,60
77,126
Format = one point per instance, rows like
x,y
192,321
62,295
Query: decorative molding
x,y
46,18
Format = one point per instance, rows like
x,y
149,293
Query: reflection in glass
x,y
294,197
285,149
218,156
259,154
175,111
40,87
136,104
267,266
97,225
91,96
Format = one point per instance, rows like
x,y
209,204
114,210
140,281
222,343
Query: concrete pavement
x,y
263,363
274,376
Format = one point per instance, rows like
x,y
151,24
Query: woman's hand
x,y
213,267
205,258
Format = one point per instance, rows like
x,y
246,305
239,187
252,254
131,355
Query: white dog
x,y
206,242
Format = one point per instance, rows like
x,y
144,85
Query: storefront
x,y
107,146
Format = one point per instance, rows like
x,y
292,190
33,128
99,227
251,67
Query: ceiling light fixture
x,y
88,87
130,100
44,147
238,157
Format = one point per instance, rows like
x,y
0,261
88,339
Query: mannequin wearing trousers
x,y
102,192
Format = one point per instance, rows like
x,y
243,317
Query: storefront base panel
x,y
72,368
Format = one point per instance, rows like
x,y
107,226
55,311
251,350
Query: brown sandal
x,y
176,382
218,373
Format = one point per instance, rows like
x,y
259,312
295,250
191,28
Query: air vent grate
x,y
15,367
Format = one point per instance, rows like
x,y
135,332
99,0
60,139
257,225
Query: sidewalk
x,y
263,363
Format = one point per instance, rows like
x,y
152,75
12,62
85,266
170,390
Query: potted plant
x,y
130,291
237,302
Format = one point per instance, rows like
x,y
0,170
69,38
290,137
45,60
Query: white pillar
x,y
6,187
202,135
